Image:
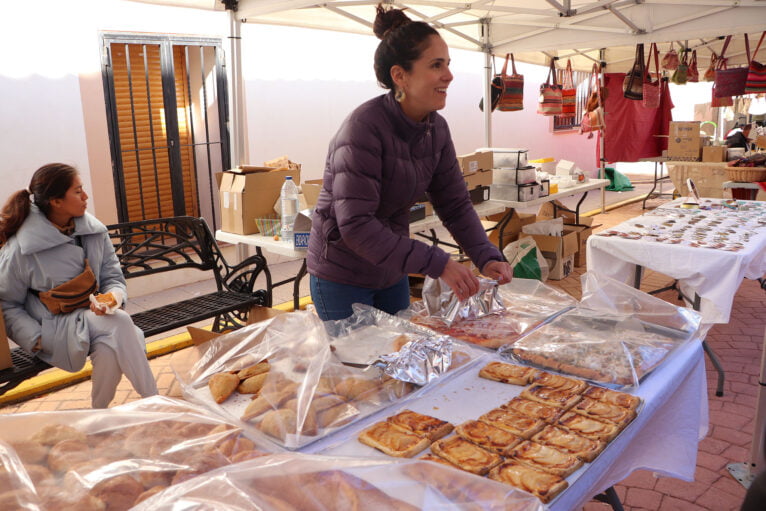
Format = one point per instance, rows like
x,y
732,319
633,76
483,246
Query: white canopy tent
x,y
585,31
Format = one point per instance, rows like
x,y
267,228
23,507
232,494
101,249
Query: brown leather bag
x,y
72,294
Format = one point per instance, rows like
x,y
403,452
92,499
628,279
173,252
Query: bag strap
x,y
568,81
551,73
693,61
725,45
747,48
758,47
653,51
505,65
513,64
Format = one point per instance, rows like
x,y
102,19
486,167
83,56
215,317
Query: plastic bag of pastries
x,y
331,483
301,391
112,459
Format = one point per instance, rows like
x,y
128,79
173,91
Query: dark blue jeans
x,y
333,300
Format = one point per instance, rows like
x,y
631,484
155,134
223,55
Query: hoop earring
x,y
399,95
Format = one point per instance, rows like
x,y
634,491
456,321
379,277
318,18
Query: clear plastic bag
x,y
617,335
306,393
527,303
94,459
320,483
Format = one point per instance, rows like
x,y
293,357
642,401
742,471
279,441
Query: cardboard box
x,y
584,229
310,190
684,141
256,314
479,178
559,249
247,193
5,348
475,162
714,153
512,229
480,194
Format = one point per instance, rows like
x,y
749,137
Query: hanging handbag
x,y
549,101
512,98
756,73
568,92
709,75
670,60
730,82
652,91
593,118
681,74
719,102
633,85
693,73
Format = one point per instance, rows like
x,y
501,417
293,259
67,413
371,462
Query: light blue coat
x,y
40,257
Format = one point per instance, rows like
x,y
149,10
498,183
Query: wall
x,y
299,86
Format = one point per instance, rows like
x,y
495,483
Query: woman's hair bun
x,y
387,19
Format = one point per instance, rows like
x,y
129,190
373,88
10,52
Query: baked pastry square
x,y
570,442
550,396
507,373
466,455
545,458
422,425
534,409
613,397
513,422
602,410
557,381
489,437
588,427
393,441
541,484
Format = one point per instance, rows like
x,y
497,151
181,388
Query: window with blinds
x,y
167,128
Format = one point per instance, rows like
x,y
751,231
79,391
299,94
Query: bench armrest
x,y
241,277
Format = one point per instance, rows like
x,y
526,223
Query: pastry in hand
x,y
107,299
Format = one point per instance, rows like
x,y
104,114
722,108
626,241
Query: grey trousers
x,y
117,347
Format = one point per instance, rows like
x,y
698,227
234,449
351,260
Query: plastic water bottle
x,y
289,208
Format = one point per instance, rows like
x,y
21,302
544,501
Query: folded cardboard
x,y
256,314
283,162
310,190
583,226
684,141
512,228
714,153
5,349
249,192
475,162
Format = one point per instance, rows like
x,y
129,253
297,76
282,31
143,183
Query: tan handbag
x,y
72,294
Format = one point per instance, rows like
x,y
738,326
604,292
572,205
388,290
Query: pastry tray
x,y
462,398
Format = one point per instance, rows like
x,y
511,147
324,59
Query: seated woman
x,y
54,255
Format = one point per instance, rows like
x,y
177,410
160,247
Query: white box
x,y
514,176
565,168
507,158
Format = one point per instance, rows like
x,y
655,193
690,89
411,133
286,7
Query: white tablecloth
x,y
663,438
715,275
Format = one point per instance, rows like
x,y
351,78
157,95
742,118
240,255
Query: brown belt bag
x,y
72,294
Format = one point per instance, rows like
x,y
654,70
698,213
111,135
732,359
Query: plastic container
x,y
507,158
289,208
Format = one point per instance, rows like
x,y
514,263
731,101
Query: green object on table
x,y
528,266
618,182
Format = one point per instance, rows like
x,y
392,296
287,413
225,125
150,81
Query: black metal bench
x,y
152,247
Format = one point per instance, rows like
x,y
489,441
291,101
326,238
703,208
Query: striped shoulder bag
x,y
756,73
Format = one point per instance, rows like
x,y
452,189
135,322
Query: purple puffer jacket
x,y
378,164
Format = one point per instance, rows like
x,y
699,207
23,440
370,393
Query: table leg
x,y
576,209
654,186
696,303
297,286
610,497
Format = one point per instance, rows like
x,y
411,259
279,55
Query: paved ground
x,y
738,344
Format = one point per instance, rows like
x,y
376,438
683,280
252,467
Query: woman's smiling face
x,y
425,85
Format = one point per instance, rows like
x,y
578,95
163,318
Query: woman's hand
x,y
498,270
97,310
460,279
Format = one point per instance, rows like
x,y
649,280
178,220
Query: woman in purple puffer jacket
x,y
387,153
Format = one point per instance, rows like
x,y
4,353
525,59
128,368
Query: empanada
x,y
222,385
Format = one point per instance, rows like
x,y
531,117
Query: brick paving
x,y
738,345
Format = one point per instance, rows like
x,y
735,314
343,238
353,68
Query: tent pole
x,y
602,145
487,79
236,105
